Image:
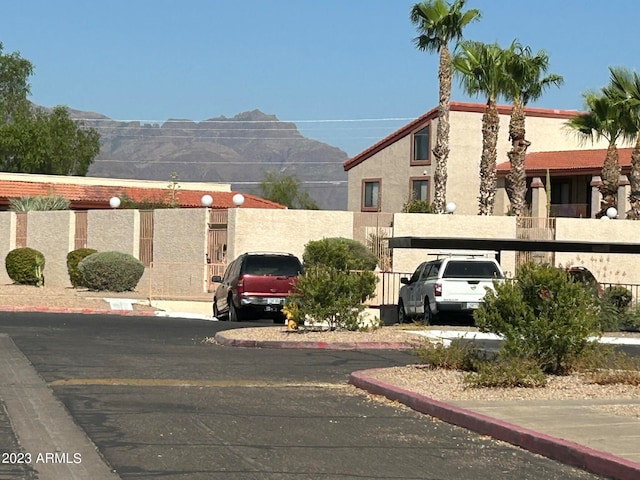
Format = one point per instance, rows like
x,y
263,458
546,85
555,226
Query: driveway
x,y
159,403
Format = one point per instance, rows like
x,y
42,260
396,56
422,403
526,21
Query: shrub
x,y
507,372
543,316
459,355
339,253
73,259
25,266
38,203
615,311
328,294
417,206
110,271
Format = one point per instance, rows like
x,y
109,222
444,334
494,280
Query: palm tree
x,y
624,90
481,68
604,119
525,83
439,23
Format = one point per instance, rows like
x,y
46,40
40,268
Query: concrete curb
x,y
222,339
563,451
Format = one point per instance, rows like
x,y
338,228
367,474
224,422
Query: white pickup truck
x,y
451,284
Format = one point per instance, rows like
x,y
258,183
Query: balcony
x,y
570,210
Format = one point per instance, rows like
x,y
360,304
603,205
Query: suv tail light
x,y
240,286
437,289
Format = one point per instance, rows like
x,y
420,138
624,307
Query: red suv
x,y
255,285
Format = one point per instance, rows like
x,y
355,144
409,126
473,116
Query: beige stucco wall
x,y
607,268
456,226
52,233
390,164
179,252
114,230
283,230
7,241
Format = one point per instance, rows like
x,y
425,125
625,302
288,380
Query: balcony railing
x,y
571,210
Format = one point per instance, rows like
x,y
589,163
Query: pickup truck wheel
x,y
429,318
402,315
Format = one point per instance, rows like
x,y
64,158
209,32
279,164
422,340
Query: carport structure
x,y
513,245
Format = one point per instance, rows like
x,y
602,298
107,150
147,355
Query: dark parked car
x,y
586,278
255,284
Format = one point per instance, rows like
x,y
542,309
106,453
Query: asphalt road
x,y
159,402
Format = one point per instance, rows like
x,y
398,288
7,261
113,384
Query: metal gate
x,y
216,254
535,228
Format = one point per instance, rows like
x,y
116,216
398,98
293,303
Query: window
x,y
421,148
420,189
371,195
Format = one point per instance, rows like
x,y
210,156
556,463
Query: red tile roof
x,y
98,196
423,120
570,162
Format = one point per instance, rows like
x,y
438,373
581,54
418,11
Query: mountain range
x,y
237,150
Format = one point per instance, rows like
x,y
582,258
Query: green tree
x,y
14,85
526,81
481,69
624,90
285,189
604,119
48,142
438,23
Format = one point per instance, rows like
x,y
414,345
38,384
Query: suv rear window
x,y
272,265
468,269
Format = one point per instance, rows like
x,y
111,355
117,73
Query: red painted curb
x,y
570,453
222,339
11,308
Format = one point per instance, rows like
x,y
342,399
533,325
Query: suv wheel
x,y
402,314
216,312
234,315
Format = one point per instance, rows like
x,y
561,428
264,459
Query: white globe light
x,y
612,212
114,202
238,199
450,207
604,217
206,200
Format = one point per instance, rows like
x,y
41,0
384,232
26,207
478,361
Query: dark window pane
x,y
463,269
421,144
371,192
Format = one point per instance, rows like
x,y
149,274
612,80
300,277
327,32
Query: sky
x,y
345,71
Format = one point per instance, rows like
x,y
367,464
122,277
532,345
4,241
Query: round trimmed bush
x,y
73,259
25,266
339,253
110,271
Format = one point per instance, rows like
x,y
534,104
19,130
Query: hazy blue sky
x,y
345,71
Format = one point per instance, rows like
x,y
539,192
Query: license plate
x,y
473,305
274,301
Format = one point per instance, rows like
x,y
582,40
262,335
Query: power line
x,y
334,120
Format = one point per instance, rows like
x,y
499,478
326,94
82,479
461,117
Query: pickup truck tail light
x,y
437,289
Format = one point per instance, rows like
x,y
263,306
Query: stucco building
x,y
384,176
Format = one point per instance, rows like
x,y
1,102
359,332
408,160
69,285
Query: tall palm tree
x,y
604,119
624,89
481,69
525,82
439,23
